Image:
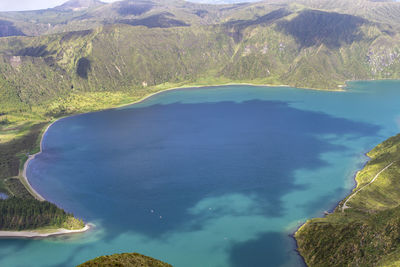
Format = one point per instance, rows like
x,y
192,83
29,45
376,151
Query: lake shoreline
x,y
25,180
198,86
31,157
332,209
144,98
24,176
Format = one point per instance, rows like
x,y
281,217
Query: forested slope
x,y
27,214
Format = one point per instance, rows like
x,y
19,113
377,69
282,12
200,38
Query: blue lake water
x,y
207,177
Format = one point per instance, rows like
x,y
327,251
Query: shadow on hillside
x,y
313,27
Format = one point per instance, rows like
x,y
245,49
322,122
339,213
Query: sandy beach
x,y
31,157
42,234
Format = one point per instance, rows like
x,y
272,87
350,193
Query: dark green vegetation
x,y
368,232
126,259
26,214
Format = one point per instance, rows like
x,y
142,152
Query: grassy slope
x,y
126,259
367,233
11,154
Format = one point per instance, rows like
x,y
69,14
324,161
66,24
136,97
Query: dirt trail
x,y
355,193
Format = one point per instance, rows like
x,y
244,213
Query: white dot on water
x,y
160,217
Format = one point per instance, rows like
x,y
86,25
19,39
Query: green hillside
x,y
288,45
152,43
364,229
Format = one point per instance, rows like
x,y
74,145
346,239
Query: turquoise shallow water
x,y
216,176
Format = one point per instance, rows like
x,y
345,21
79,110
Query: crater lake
x,y
215,176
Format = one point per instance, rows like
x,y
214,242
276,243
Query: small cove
x,y
215,176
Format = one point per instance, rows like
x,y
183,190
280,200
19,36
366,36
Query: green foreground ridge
x,y
125,259
364,229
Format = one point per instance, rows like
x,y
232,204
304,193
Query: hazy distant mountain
x,y
78,5
217,2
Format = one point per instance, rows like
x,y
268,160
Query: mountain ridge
x,y
272,44
77,5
